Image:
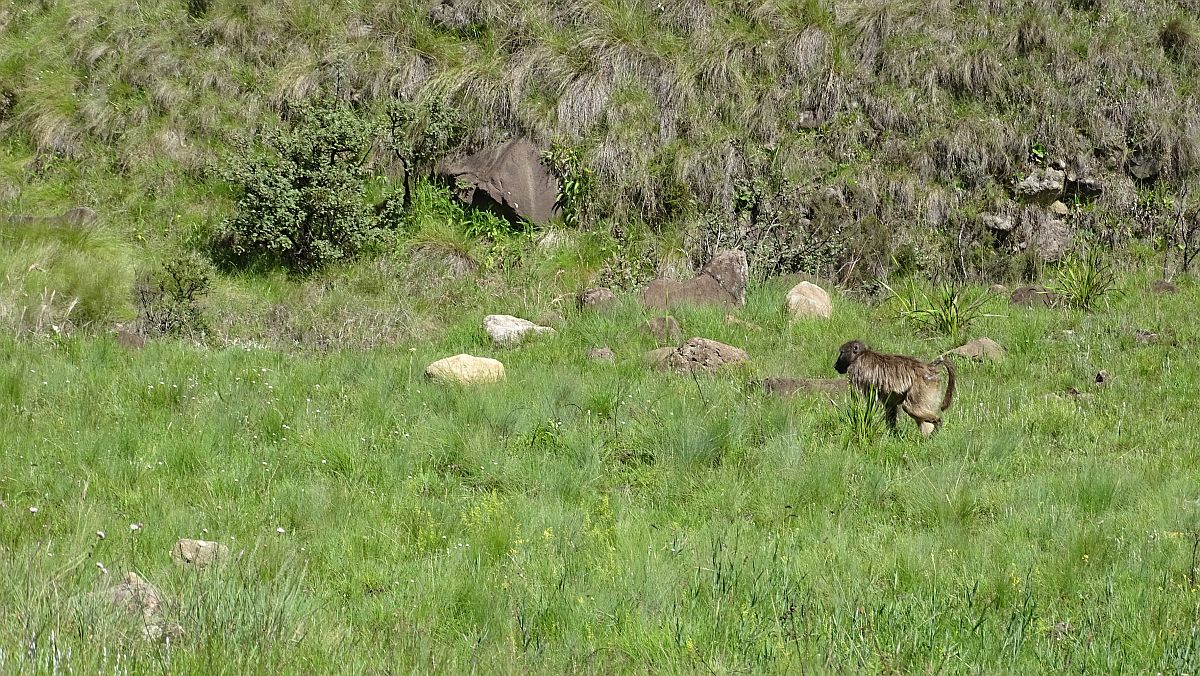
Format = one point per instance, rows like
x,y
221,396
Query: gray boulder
x,y
722,282
509,180
507,330
1043,186
701,355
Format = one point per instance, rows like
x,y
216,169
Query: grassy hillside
x,y
724,123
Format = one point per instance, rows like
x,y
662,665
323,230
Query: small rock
x,y
658,359
507,330
1033,296
198,553
997,222
665,330
704,355
162,630
1164,288
1145,337
786,387
722,282
1143,166
1060,209
809,300
984,349
137,596
1103,378
601,354
596,298
1042,186
466,369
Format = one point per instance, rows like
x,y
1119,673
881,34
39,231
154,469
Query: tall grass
x,y
584,517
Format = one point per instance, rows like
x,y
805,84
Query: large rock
x,y
509,180
704,355
722,282
997,222
984,349
665,330
1052,239
198,553
1043,186
466,369
809,300
507,330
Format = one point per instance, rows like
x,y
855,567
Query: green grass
x,y
603,517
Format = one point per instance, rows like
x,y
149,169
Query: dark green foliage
x,y
1085,279
421,134
576,181
302,200
1178,38
198,8
169,299
948,311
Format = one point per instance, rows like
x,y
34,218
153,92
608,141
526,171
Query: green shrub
x,y
169,298
575,180
302,197
948,311
1083,280
863,417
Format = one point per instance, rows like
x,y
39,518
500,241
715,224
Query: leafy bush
x,y
302,198
1083,280
575,182
169,298
421,134
948,311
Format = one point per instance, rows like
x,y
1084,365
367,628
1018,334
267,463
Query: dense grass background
x,y
585,516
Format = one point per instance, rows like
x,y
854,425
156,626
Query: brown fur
x,y
900,382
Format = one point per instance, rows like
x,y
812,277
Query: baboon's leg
x,y
922,405
890,414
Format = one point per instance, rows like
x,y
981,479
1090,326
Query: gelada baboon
x,y
899,382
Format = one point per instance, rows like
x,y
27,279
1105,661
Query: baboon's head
x,y
849,352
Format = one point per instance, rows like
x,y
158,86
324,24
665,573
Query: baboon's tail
x,y
949,396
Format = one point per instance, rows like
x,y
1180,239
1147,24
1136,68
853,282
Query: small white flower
x,y
135,527
33,510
